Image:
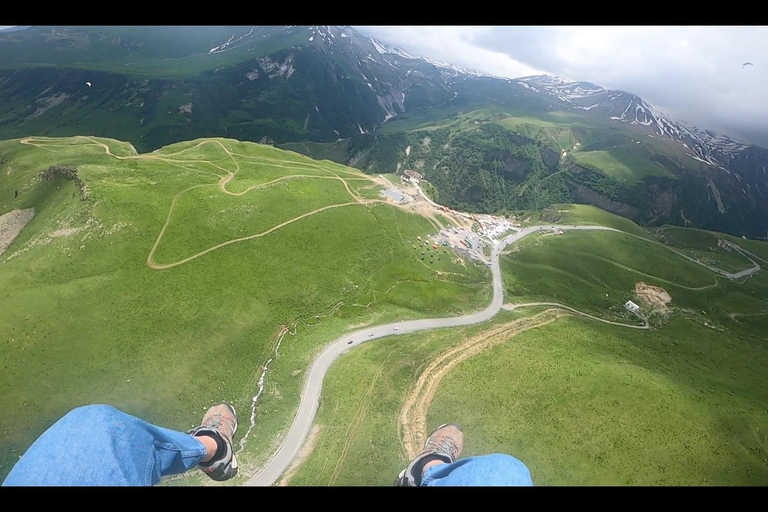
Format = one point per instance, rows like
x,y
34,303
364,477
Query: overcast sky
x,y
693,73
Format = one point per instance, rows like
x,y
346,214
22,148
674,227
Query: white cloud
x,y
451,44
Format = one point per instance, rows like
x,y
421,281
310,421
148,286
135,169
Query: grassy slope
x,y
584,214
86,321
602,143
580,412
592,403
358,443
164,52
702,244
587,404
589,271
628,163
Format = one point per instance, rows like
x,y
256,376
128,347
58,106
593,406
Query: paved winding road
x,y
313,385
310,395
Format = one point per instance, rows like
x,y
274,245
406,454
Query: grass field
x,y
86,320
587,404
628,163
580,402
582,214
595,272
703,245
423,119
570,399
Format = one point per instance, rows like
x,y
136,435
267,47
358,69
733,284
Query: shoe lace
x,y
448,446
214,421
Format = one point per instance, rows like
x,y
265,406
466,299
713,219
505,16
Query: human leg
x,y
442,446
437,465
496,469
100,445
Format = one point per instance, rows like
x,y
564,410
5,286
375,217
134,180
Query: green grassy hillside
x,y
628,163
147,52
86,319
586,404
704,246
581,402
509,153
584,214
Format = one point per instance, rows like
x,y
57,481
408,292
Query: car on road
x,y
396,328
349,342
370,335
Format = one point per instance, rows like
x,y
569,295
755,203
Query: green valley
x,y
351,245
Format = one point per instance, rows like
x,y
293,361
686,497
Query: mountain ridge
x,y
324,84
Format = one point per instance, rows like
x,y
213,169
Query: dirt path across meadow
x,y
11,225
224,180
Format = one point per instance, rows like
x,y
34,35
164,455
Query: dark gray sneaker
x,y
445,444
219,422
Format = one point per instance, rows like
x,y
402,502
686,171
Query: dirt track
x,y
11,225
413,415
412,419
224,180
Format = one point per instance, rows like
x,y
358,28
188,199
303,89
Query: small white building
x,y
631,306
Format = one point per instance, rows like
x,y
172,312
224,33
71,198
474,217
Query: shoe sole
x,y
234,413
234,431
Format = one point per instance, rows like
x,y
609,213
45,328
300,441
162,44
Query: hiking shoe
x,y
220,422
445,444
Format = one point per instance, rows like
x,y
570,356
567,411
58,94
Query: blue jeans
x,y
99,445
496,469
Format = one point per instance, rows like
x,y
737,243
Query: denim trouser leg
x,y
488,470
99,445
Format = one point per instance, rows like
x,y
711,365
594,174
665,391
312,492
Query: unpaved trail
x,y
512,307
412,419
413,415
222,185
11,225
159,266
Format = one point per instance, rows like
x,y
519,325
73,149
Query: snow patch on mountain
x,y
231,43
385,50
703,146
379,47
